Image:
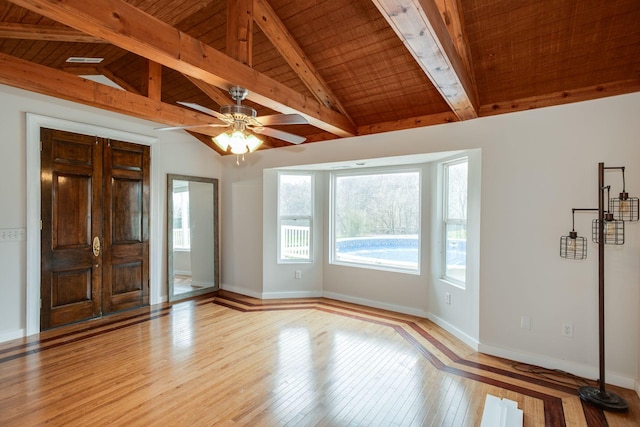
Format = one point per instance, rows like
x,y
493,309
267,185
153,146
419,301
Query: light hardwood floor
x,y
233,360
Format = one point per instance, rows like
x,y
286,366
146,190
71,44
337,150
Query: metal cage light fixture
x,y
613,228
624,208
573,246
607,229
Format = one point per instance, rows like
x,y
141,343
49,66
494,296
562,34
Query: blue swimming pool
x,y
397,251
400,251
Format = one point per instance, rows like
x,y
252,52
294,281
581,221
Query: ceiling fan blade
x,y
206,110
211,125
282,119
275,133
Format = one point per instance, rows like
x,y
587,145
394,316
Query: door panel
x,y
70,287
71,211
71,191
127,210
126,265
92,188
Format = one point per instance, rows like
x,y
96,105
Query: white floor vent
x,y
501,413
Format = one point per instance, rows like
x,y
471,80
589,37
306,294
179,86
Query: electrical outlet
x,y
525,322
298,274
447,297
567,330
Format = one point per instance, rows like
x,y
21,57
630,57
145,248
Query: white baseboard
x,y
240,290
299,294
585,371
12,335
376,304
462,336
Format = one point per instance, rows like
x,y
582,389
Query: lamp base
x,y
604,400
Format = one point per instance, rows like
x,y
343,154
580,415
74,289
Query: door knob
x,y
96,246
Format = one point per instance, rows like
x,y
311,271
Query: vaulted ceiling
x,y
350,67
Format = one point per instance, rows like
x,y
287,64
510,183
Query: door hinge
x,y
40,303
40,145
40,225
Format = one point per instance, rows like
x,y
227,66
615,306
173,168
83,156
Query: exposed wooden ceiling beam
x,y
152,80
131,29
10,30
563,97
240,30
217,95
452,19
48,81
422,30
409,123
277,33
118,80
91,70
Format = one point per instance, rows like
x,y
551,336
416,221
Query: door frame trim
x,y
33,124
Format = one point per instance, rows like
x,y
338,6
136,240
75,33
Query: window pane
x,y
295,239
376,219
457,191
295,207
456,252
295,195
181,232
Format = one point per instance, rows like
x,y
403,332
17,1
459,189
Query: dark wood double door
x,y
95,227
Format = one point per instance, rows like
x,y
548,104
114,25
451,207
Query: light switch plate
x,y
12,234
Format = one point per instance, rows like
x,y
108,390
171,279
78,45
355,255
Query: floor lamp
x,y
607,229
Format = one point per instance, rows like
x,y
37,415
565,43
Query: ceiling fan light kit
x,y
242,120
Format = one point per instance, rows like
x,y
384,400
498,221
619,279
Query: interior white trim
x,y
8,336
468,340
33,124
240,290
579,369
292,294
376,304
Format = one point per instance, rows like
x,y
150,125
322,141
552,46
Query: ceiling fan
x,y
241,118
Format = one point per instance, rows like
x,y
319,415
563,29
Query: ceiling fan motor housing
x,y
238,110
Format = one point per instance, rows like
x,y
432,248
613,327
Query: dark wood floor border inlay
x,y
552,405
90,331
432,340
553,408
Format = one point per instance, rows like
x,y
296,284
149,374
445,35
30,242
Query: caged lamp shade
x,y
613,230
573,246
624,208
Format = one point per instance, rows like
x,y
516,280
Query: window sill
x,y
376,267
455,284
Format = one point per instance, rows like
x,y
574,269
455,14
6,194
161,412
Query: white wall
x,y
173,152
276,277
536,166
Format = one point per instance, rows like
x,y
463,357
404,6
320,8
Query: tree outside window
x,y
376,219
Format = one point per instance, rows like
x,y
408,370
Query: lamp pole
x,y
600,396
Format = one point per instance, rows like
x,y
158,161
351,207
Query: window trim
x,y
332,216
281,218
446,221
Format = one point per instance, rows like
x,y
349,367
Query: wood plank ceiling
x,y
351,67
